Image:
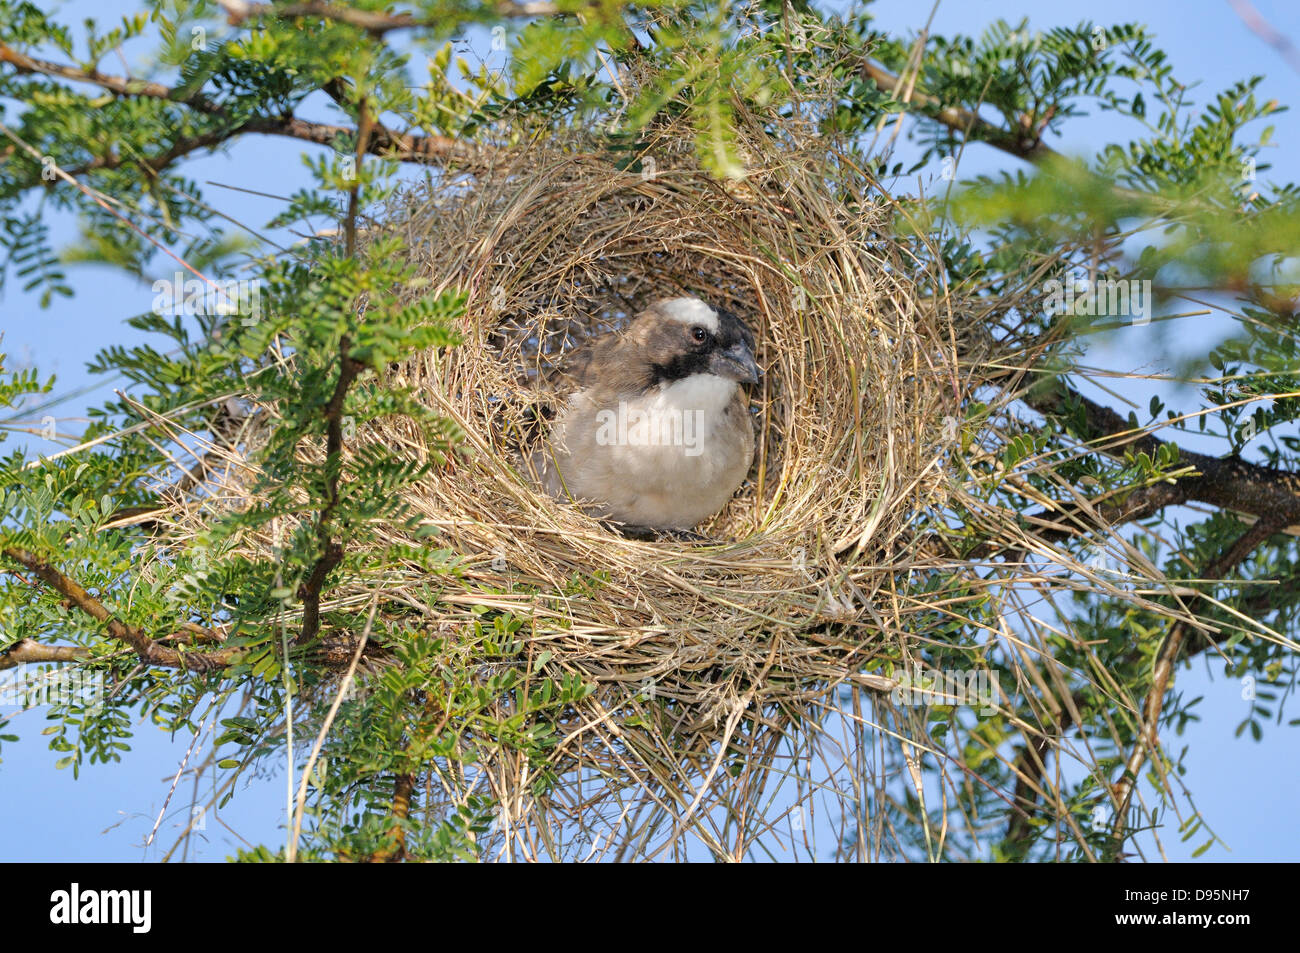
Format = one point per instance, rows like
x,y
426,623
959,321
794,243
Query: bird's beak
x,y
737,363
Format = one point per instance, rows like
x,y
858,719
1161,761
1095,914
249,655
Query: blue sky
x,y
1245,790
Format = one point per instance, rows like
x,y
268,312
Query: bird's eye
x,y
699,334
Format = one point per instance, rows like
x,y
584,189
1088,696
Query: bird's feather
x,y
649,434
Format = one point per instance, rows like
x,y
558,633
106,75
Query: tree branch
x,y
121,85
1269,495
1023,145
349,369
29,651
406,147
1228,483
149,651
395,852
1250,490
332,652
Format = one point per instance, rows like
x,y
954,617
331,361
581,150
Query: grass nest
x,y
754,666
793,592
556,248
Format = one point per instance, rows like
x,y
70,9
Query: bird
x,y
656,434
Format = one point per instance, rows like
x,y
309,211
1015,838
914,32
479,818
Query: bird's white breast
x,y
671,457
702,398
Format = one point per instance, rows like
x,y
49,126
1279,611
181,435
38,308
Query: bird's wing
x,y
573,372
599,365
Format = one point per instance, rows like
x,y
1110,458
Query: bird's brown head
x,y
679,337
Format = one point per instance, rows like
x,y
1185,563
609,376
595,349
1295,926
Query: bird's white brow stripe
x,y
691,311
